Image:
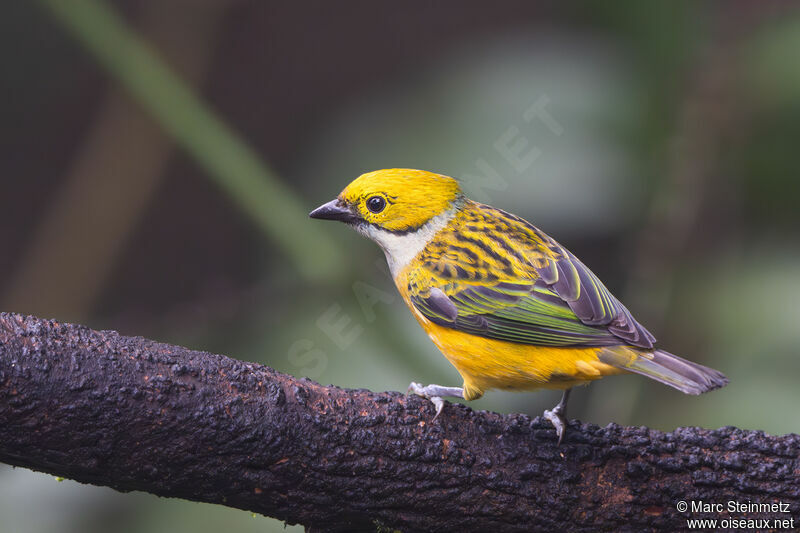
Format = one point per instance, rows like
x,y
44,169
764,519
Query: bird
x,y
507,305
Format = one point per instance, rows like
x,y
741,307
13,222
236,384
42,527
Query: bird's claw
x,y
415,388
428,393
557,415
556,418
439,403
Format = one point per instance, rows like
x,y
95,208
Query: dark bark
x,y
134,414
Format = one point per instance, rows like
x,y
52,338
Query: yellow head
x,y
397,200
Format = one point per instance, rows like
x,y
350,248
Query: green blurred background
x,y
159,159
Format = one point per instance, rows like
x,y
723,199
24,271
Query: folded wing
x,y
534,292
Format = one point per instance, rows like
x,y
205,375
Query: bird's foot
x,y
558,416
434,393
557,419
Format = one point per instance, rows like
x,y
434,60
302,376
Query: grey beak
x,y
333,210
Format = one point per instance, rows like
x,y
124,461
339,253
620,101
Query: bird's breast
x,y
486,363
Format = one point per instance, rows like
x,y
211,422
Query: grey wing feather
x,y
590,300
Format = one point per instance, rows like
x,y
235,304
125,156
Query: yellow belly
x,y
492,364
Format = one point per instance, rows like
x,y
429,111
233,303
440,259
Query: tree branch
x,y
134,414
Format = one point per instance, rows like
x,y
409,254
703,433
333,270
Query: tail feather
x,y
666,368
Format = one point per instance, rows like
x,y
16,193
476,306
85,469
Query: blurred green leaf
x,y
228,160
771,62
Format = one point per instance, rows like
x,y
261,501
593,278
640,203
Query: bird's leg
x,y
558,415
434,393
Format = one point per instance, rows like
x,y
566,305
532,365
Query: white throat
x,y
400,249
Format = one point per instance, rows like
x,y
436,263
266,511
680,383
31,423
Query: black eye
x,y
376,204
